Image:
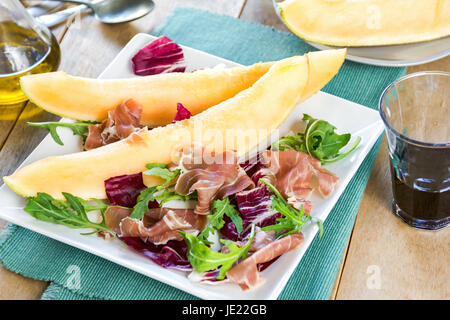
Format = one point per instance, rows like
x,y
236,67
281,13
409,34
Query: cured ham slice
x,y
114,215
246,272
294,172
120,123
299,202
213,176
168,221
262,239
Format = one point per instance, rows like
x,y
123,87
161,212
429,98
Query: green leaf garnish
x,y
167,195
319,140
161,170
220,208
290,143
202,258
152,194
88,206
70,213
293,219
141,206
80,128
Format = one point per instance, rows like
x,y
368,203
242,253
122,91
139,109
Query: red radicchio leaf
x,y
172,255
159,56
124,190
182,113
252,205
253,166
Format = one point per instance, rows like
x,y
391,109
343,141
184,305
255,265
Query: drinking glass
x,y
415,110
26,47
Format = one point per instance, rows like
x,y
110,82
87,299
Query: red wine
x,y
421,186
424,205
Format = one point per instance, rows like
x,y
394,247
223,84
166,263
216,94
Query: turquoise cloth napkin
x,y
39,257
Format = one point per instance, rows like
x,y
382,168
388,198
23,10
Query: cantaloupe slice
x,y
90,99
366,22
239,123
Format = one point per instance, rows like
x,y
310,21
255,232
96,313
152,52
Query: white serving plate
x,y
401,55
363,122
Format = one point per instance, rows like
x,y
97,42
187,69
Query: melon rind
x,y
366,23
262,107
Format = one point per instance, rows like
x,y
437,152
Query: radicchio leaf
x,y
171,255
208,276
124,190
182,113
159,56
254,168
254,207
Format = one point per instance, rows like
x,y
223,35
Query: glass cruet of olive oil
x,y
26,47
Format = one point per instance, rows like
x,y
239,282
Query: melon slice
x,y
90,99
366,22
239,123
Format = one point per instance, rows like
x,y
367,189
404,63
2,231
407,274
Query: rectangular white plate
x,y
345,115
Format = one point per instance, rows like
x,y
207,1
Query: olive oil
x,y
23,51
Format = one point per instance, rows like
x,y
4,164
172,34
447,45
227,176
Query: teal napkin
x,y
39,257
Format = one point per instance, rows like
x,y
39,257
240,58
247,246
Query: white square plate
x,y
363,122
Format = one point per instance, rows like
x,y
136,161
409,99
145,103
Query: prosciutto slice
x,y
297,174
168,221
120,123
213,176
246,272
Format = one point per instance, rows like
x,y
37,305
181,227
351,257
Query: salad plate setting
x,y
204,174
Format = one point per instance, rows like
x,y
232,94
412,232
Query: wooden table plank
x,y
8,117
87,48
409,263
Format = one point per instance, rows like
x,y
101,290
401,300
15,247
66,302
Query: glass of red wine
x,y
416,113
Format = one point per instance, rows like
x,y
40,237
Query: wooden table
x,y
385,259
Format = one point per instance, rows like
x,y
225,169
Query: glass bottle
x,y
26,47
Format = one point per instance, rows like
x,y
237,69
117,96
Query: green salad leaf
x,y
70,213
80,128
319,140
202,258
161,170
166,195
155,193
290,143
293,220
141,206
220,208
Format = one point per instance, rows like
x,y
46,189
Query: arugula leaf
x,y
80,128
152,194
88,206
289,143
323,143
293,219
216,221
70,213
161,170
141,207
319,140
167,195
202,258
